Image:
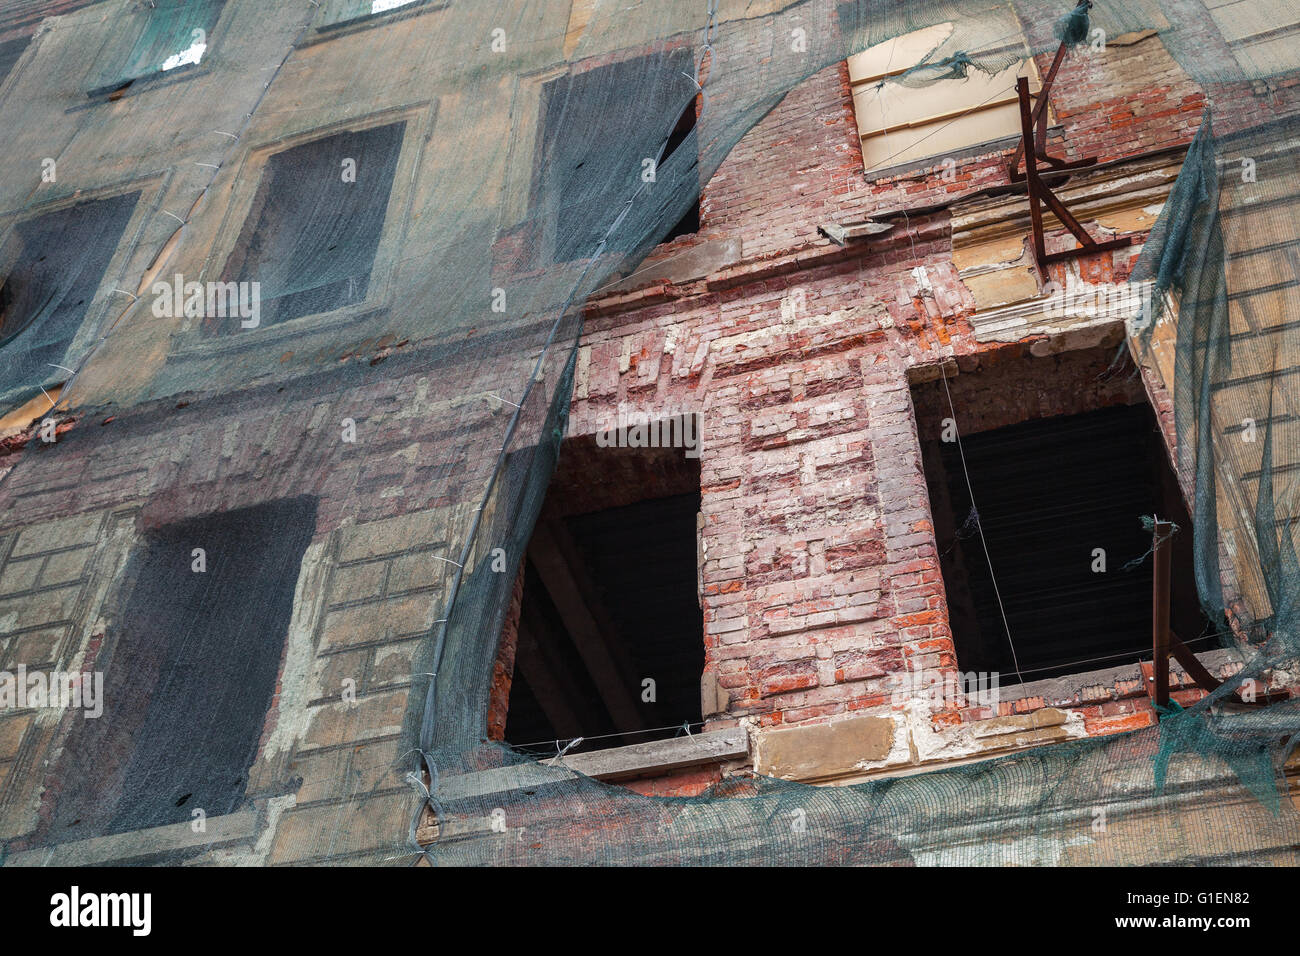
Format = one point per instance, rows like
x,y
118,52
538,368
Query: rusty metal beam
x,y
1163,532
1040,193
1165,642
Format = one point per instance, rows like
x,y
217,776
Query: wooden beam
x,y
660,756
559,565
655,757
555,691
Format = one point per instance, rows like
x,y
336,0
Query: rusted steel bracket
x,y
1166,642
1033,149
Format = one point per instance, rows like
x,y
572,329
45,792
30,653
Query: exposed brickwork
x,y
820,575
821,579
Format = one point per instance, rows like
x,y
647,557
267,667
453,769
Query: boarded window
x,y
190,671
906,119
154,38
317,218
52,267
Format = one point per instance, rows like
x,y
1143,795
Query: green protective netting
x,y
156,37
403,340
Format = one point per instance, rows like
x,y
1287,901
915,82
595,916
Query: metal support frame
x,y
1033,149
1165,642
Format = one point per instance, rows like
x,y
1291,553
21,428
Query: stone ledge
x,y
818,751
143,844
658,756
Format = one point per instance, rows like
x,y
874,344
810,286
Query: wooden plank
x,y
659,756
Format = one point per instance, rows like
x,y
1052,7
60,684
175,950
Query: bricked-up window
x,y
51,267
609,642
1059,502
907,122
584,116
154,39
189,672
315,225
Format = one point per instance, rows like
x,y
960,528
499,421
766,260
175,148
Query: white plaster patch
x,y
309,601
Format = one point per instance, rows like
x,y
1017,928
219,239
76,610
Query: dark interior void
x,y
312,233
1049,492
689,224
52,266
609,601
189,673
10,52
584,116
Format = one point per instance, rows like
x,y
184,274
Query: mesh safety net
x,y
426,193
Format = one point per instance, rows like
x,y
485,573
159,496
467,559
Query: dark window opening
x,y
689,224
10,52
52,267
335,14
317,218
583,116
189,673
160,39
1049,492
610,604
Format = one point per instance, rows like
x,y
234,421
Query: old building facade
x,y
907,452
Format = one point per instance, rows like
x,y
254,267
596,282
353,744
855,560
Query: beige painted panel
x,y
1263,310
939,138
579,17
894,56
1252,230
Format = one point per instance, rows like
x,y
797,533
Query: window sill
x,y
138,845
368,21
1119,682
191,343
154,81
615,763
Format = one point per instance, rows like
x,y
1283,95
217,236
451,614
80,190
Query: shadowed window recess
x,y
610,632
190,671
684,136
155,38
11,52
52,266
311,236
1059,502
340,13
584,117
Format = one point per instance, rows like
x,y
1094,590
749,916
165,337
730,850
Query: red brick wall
x,y
821,576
